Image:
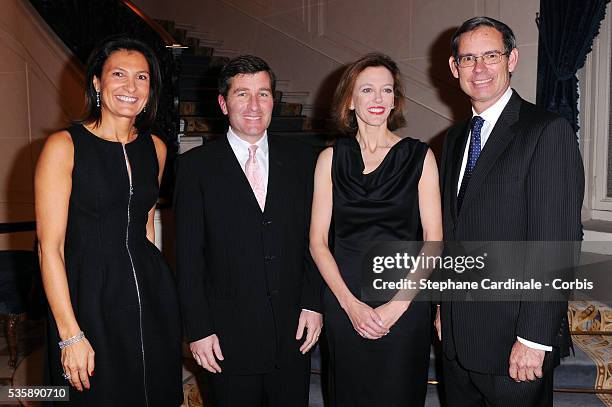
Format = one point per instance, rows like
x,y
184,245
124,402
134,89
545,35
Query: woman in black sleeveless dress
x,y
376,187
112,297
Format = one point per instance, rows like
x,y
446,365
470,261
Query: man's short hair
x,y
475,23
243,65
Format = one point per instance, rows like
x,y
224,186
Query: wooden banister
x,y
163,34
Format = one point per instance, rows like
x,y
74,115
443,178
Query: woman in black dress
x,y
112,297
375,186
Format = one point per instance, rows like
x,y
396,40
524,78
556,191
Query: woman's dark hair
x,y
345,119
95,64
243,65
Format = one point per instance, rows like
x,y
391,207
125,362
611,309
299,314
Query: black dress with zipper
x,y
122,291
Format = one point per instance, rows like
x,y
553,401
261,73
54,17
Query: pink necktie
x,y
255,177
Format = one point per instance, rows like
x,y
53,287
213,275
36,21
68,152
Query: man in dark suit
x,y
250,293
512,172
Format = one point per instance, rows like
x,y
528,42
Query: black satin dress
x,y
382,205
122,292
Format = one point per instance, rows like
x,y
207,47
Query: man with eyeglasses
x,y
512,172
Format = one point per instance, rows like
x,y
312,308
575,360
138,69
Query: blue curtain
x,y
567,29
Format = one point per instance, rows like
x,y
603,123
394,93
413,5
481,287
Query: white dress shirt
x,y
490,116
262,155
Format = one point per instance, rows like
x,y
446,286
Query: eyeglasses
x,y
490,58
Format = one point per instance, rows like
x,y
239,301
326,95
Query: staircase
x,y
201,118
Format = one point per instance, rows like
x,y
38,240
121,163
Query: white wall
x,y
307,41
40,88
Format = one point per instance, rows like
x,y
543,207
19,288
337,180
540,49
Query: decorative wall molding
x,y
341,49
44,54
321,35
49,88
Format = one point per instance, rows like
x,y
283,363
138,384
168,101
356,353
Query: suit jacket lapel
x,y
277,176
236,176
458,149
499,139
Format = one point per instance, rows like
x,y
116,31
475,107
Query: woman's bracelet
x,y
72,340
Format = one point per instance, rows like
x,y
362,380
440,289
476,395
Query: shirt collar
x,y
494,111
239,145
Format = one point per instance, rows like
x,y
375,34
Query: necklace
x,y
364,147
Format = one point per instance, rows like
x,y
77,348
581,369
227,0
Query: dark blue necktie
x,y
473,155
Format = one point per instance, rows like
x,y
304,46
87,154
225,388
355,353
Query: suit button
x,y
269,258
266,222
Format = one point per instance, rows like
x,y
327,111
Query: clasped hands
x,y
373,323
207,351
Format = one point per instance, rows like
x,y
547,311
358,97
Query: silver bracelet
x,y
72,340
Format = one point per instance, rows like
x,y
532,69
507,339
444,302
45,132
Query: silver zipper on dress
x,y
127,246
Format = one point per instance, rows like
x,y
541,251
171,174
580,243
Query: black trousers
x,y
465,388
287,387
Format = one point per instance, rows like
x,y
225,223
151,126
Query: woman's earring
x,y
144,109
97,99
